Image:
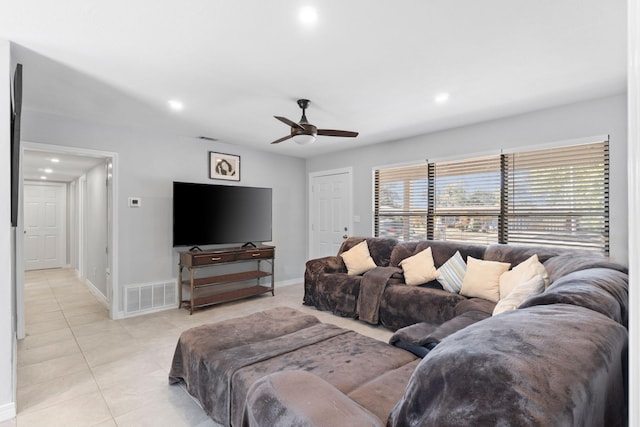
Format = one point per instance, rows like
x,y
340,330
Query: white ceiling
x,y
56,167
372,67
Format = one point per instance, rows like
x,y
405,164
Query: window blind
x,y
401,202
559,197
467,200
554,197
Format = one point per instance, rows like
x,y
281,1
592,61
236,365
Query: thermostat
x,y
134,202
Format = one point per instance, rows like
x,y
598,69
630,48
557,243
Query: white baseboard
x,y
123,315
289,282
96,292
7,411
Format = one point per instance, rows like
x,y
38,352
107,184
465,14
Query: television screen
x,y
206,214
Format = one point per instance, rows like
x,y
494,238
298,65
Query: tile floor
x,y
76,367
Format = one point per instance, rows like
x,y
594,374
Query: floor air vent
x,y
149,297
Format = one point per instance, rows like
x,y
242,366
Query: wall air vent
x,y
143,298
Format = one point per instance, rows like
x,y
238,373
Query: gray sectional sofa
x,y
559,359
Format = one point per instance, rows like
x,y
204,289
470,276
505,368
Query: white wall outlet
x,y
135,202
356,218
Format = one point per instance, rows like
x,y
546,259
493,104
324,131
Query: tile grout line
x,y
75,338
84,357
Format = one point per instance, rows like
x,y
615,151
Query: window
x,y
559,197
401,202
467,200
555,197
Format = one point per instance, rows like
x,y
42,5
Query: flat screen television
x,y
208,214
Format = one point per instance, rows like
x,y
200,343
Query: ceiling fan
x,y
304,132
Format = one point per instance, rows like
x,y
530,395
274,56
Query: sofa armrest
x,y
429,335
327,265
314,272
302,399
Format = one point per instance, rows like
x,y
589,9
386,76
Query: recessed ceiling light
x,y
176,105
48,170
441,98
54,160
43,177
308,15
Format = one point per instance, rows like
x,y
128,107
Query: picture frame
x,y
224,166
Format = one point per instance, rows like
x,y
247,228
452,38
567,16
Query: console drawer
x,y
212,258
261,253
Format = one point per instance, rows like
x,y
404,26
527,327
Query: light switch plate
x,y
135,202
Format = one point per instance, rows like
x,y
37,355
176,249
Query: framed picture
x,y
224,166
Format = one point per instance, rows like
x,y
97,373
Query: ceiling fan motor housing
x,y
309,129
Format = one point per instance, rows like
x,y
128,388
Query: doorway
x,y
330,211
72,176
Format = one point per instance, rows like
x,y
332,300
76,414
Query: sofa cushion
x,y
515,254
382,393
599,289
521,273
358,259
402,306
419,268
519,294
474,304
451,273
482,279
441,251
299,398
379,247
562,265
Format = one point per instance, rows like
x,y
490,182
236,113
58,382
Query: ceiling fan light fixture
x,y
304,139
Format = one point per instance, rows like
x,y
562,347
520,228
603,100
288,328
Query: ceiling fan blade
x,y
289,122
332,132
284,138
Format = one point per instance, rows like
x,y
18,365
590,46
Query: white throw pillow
x,y
451,273
419,268
519,294
358,259
522,272
482,279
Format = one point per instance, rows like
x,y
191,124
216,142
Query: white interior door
x,y
330,211
44,226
